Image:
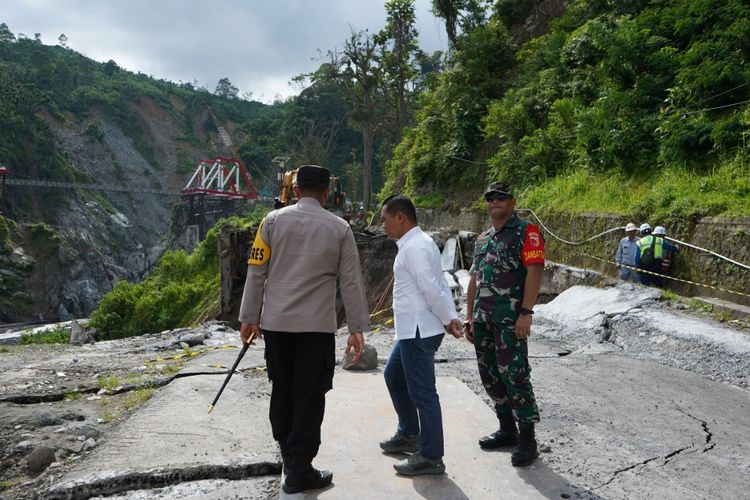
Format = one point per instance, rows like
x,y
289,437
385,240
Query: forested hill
x,y
65,117
636,107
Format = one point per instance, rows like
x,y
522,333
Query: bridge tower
x,y
213,183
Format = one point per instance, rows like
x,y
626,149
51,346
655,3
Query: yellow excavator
x,y
335,200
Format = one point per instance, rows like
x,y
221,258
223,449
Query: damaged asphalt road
x,y
628,410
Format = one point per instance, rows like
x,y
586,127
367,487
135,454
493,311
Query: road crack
x,y
50,397
114,483
709,445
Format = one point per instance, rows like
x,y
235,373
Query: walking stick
x,y
231,371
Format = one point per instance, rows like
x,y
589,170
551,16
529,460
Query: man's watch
x,y
525,311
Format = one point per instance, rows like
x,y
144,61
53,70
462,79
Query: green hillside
x,y
635,107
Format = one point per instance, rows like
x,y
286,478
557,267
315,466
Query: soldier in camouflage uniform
x,y
505,278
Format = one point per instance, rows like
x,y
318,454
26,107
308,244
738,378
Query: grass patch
x,y
431,200
723,316
4,350
108,382
108,416
699,305
676,191
8,483
58,335
138,397
170,369
73,396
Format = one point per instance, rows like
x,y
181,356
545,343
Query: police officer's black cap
x,y
500,188
313,176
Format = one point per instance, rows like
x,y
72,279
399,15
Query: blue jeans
x,y
627,274
410,377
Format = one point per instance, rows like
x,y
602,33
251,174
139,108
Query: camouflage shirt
x,y
501,257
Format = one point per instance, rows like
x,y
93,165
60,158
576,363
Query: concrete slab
x,y
359,415
174,435
737,310
448,257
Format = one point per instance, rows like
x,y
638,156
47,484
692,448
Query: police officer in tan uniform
x,y
298,254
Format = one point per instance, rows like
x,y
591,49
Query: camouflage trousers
x,y
504,369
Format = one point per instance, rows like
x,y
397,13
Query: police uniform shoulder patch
x,y
260,252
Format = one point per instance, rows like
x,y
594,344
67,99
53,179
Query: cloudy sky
x,y
258,44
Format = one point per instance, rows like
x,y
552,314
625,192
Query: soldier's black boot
x,y
507,435
526,451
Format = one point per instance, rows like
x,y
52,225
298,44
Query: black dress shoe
x,y
313,480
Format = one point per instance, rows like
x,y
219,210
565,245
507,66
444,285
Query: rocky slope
x,y
91,239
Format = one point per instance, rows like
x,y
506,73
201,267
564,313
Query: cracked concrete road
x,y
639,412
620,427
627,428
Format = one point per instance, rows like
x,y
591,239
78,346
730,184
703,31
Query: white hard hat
x,y
660,230
630,227
645,227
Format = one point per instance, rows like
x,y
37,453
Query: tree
x,y
464,14
316,116
360,74
62,40
225,89
430,67
6,36
399,59
110,67
448,10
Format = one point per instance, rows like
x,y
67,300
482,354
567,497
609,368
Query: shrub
x,y
58,335
178,293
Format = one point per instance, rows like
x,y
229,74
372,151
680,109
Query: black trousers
x,y
300,368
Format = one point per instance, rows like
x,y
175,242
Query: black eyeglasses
x,y
496,197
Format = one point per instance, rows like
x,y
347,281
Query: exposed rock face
x,y
101,236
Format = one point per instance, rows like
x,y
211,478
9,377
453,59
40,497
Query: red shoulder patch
x,y
533,246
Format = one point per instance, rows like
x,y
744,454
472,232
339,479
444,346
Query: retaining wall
x,y
724,235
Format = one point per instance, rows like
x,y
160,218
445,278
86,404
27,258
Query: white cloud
x,y
258,45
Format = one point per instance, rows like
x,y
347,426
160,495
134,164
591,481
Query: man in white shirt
x,y
423,310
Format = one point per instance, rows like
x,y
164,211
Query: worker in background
x,y
298,255
668,251
648,256
625,255
506,276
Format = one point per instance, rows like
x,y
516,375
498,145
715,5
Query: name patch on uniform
x,y
533,255
260,252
